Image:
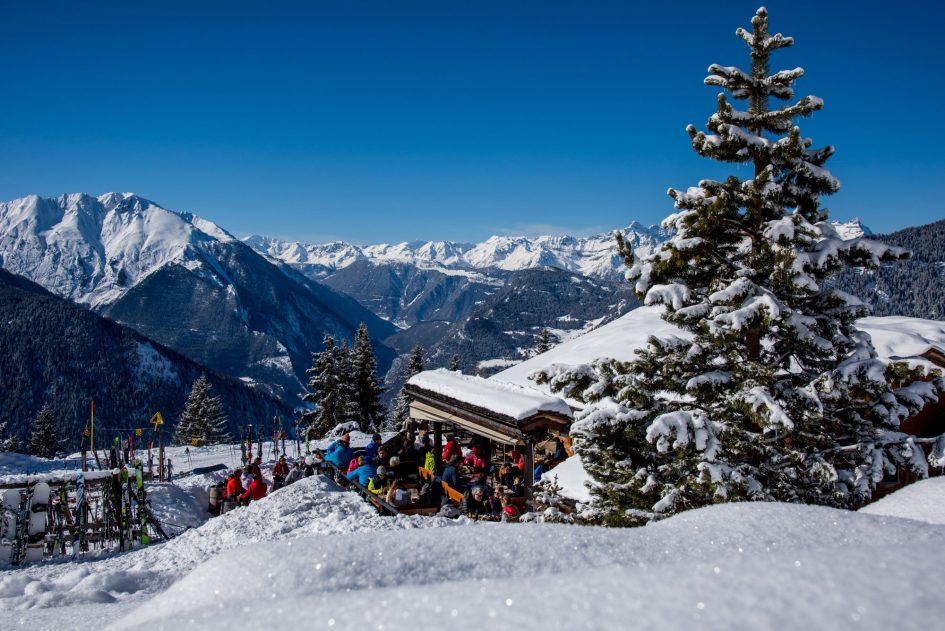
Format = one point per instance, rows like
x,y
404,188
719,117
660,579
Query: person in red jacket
x,y
256,490
518,460
452,448
254,468
234,488
279,472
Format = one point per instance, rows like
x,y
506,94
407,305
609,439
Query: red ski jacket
x,y
451,448
281,469
256,490
234,487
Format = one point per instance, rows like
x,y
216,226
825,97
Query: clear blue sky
x,y
395,120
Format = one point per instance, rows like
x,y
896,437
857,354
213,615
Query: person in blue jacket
x,y
370,452
451,474
364,473
339,453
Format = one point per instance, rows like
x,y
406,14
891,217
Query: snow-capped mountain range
x,y
593,256
92,249
182,281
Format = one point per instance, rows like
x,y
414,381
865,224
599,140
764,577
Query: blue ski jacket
x,y
363,474
339,454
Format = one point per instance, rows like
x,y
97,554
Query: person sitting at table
x,y
507,473
370,452
451,474
473,505
474,462
494,500
510,511
378,483
518,486
397,494
355,463
363,474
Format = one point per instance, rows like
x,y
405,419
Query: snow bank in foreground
x,y
744,566
311,506
923,500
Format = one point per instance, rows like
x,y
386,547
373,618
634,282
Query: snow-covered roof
x,y
899,337
517,401
620,339
894,337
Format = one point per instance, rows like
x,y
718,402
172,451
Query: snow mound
x,y
923,501
745,566
311,506
571,478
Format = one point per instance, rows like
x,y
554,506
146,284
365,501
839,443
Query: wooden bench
x,y
452,493
425,474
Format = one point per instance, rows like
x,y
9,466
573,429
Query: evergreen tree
x,y
347,387
400,415
10,443
44,442
773,394
454,362
329,389
367,391
203,419
543,342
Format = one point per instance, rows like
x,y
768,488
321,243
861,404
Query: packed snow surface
x,y
515,400
736,566
571,478
314,556
923,500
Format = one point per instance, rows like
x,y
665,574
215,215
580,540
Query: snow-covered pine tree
x,y
772,394
543,341
328,389
367,391
44,441
203,418
400,413
347,388
10,443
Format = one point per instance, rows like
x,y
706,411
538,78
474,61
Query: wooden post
x,y
161,456
529,472
438,448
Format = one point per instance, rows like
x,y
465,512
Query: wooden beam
x,y
438,448
529,472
